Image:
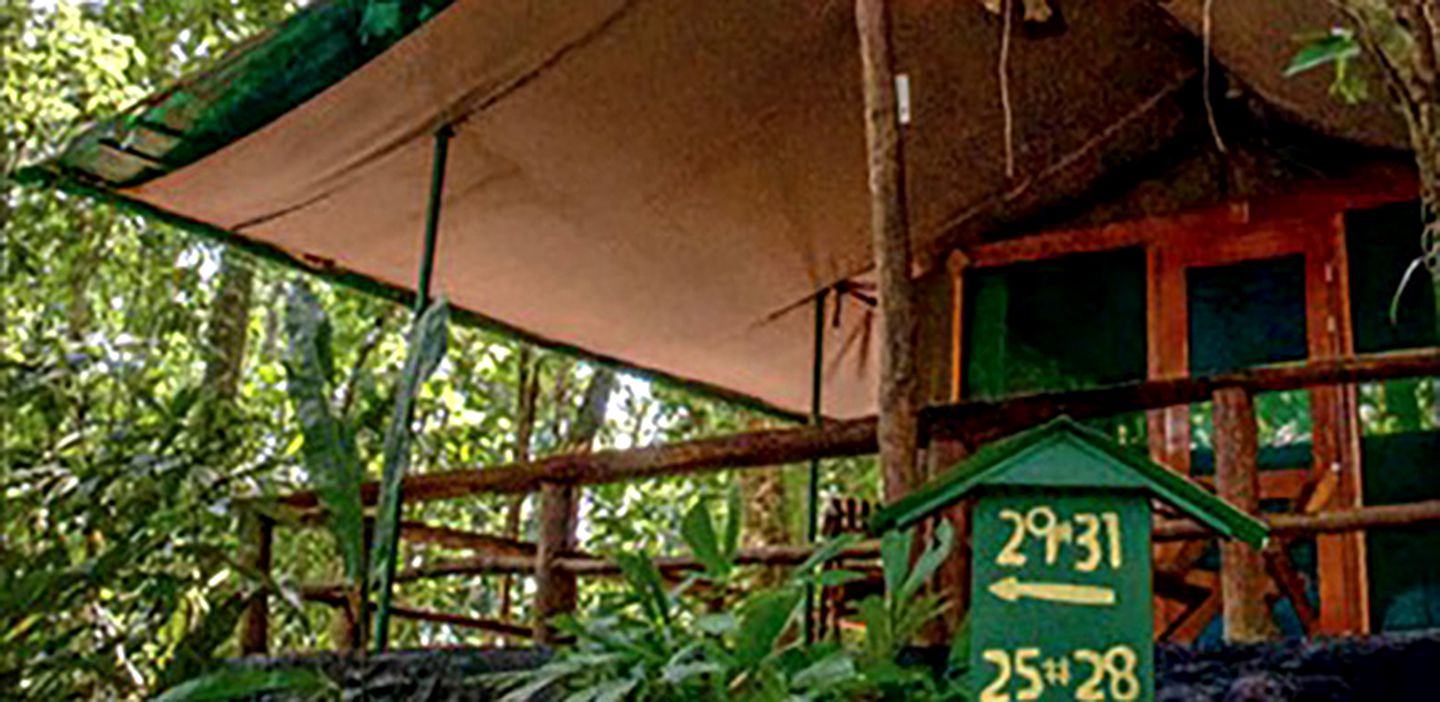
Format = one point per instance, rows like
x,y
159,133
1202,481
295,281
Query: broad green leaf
x,y
717,623
895,558
836,578
328,449
934,555
734,517
829,671
427,349
959,661
607,691
698,530
644,578
239,684
823,553
1339,45
195,650
879,641
762,621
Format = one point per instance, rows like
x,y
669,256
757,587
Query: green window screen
x,y
1249,314
1381,243
1402,561
1066,323
1400,449
1246,314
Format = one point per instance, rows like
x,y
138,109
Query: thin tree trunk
x,y
899,390
559,507
763,494
527,391
229,325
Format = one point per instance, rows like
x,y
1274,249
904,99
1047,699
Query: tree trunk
x,y
555,587
527,387
763,494
228,325
899,390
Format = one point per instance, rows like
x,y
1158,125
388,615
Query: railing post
x,y
554,586
1242,569
259,533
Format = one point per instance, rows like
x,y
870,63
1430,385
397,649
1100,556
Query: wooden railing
x,y
972,423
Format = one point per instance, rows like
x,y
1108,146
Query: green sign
x,y
1060,604
1061,577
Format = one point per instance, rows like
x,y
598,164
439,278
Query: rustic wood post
x,y
554,585
952,580
259,532
1242,568
899,390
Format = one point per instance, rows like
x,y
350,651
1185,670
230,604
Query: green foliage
x,y
120,468
712,638
1337,48
427,349
234,684
329,444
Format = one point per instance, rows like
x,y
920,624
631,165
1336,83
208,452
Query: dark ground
x,y
1396,667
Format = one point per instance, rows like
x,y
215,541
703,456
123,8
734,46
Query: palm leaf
x,y
427,348
328,448
238,684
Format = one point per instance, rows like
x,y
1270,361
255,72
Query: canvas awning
x,y
660,182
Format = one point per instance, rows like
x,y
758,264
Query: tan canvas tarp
x,y
665,182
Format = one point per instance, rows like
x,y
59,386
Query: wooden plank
x,y
970,421
1344,595
958,264
1193,620
1168,428
1282,571
1242,579
1285,484
1202,225
898,395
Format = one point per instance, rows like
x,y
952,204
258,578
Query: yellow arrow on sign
x,y
1011,590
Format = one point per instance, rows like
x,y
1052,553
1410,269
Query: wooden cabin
x,y
673,186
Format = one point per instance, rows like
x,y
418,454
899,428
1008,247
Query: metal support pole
x,y
812,503
432,216
422,298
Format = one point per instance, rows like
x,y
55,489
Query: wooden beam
x,y
1336,522
898,394
330,595
1193,620
988,420
1281,525
969,421
1242,569
595,567
493,626
1384,186
1282,571
446,537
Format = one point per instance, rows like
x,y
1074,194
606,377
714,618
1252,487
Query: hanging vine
x,y
1037,11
